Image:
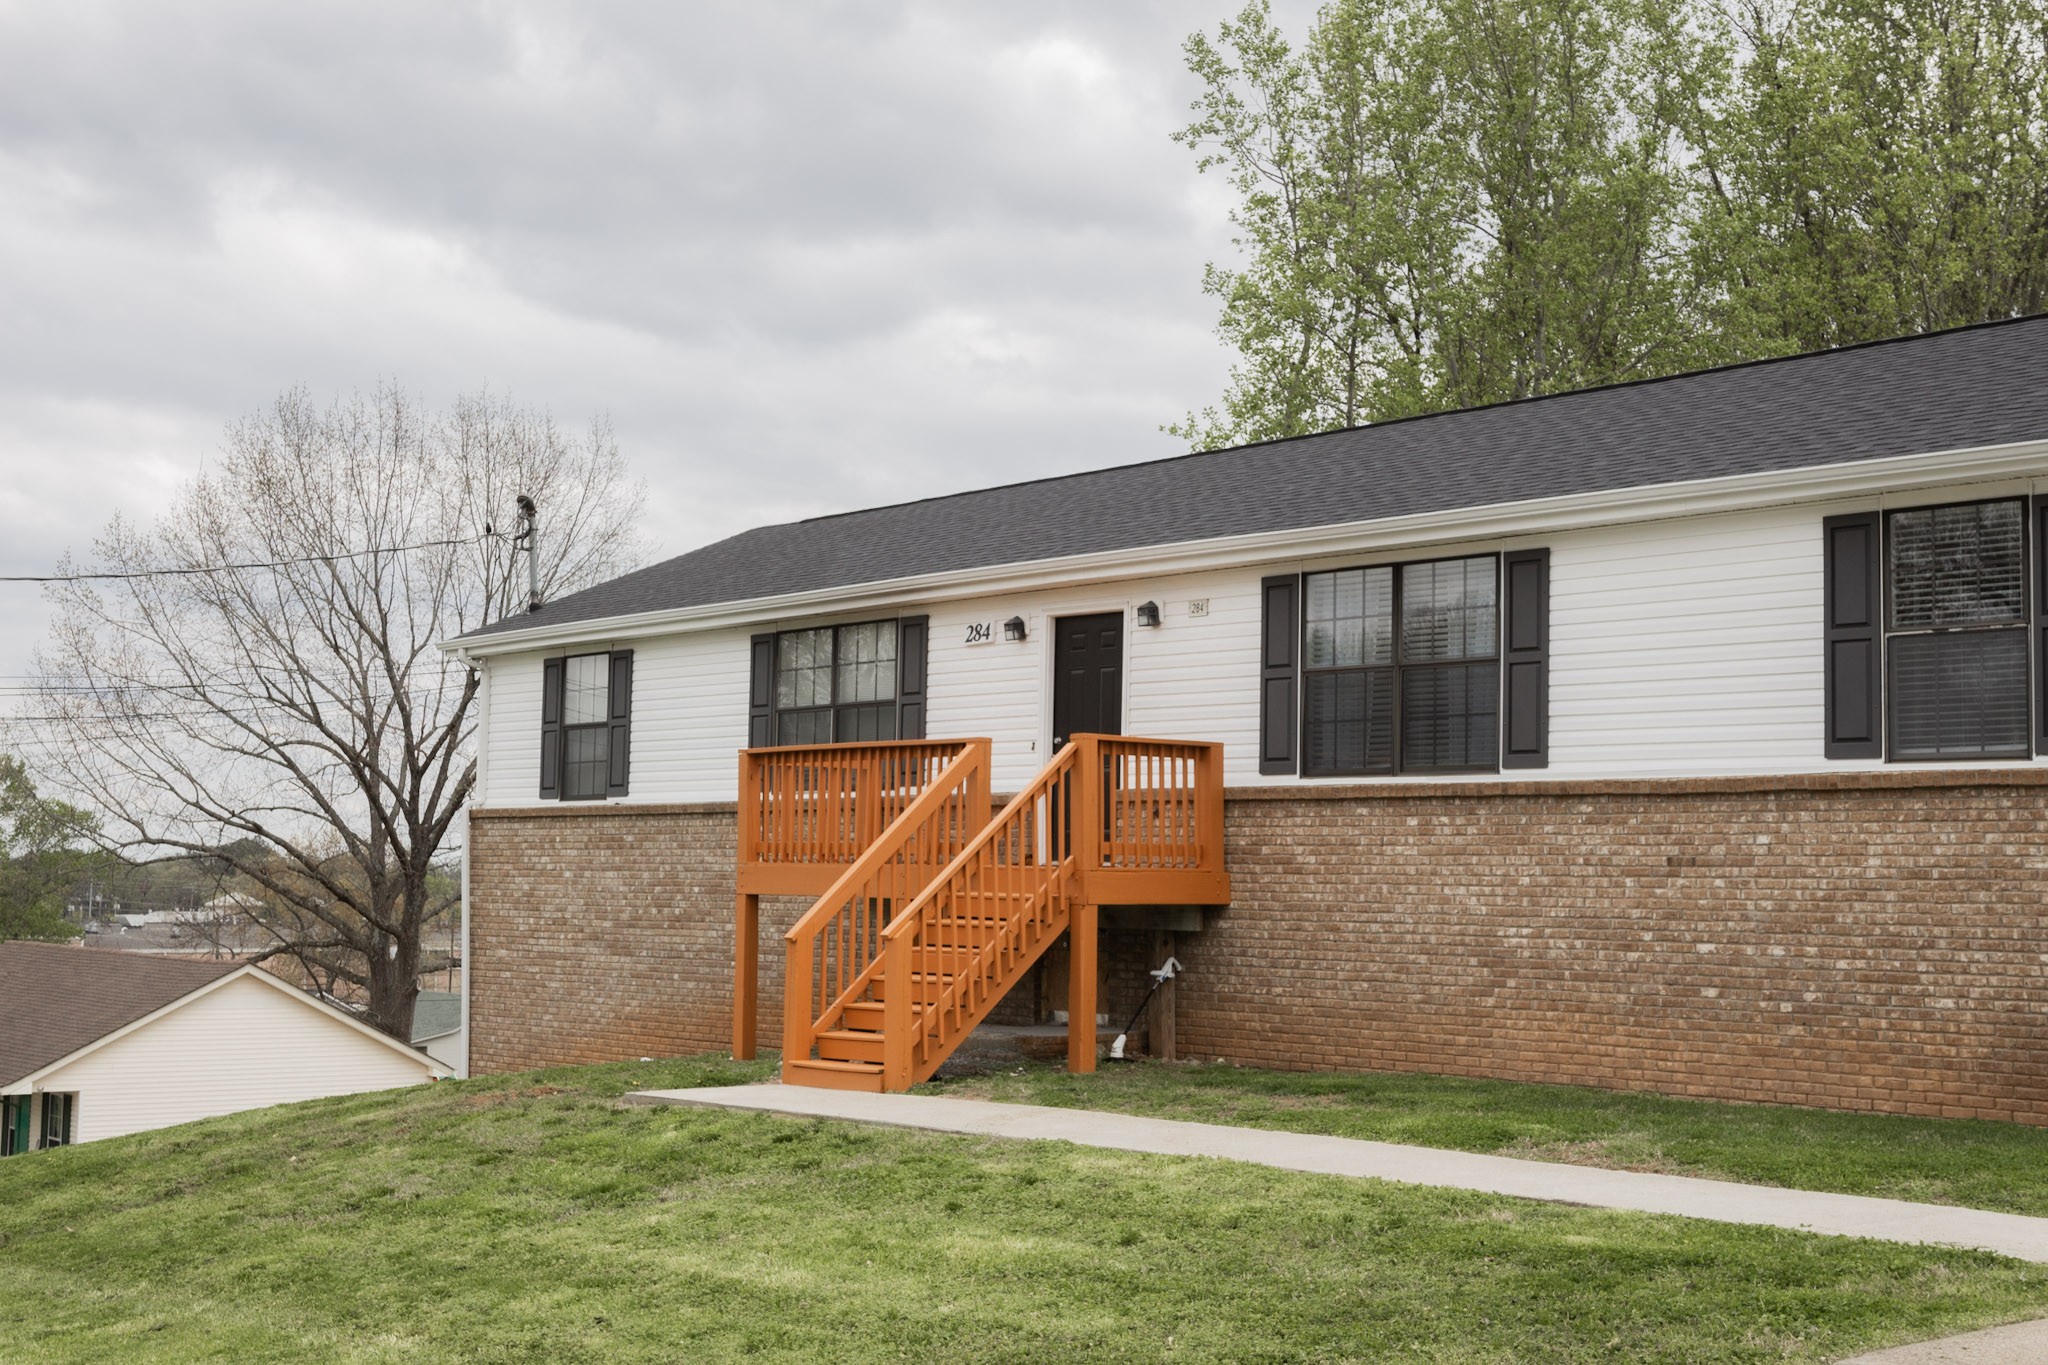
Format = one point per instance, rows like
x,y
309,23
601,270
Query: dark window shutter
x,y
912,635
619,728
1279,669
761,694
551,730
1525,659
1854,612
2040,523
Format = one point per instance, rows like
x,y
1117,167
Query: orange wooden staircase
x,y
945,910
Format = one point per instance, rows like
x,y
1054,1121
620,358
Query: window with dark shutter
x,y
761,693
586,726
839,684
551,729
1401,668
1280,636
2040,527
1525,651
1956,631
912,633
1852,636
620,729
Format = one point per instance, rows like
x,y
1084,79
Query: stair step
x,y
867,1014
924,986
850,1045
827,1075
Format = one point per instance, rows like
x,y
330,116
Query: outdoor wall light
x,y
1013,629
1148,613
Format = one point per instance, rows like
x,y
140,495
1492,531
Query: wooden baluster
x,y
746,976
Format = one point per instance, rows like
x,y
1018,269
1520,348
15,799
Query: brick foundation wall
x,y
1869,941
604,933
1873,941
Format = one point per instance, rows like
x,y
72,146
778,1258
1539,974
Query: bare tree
x,y
295,721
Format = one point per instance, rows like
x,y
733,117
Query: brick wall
x,y
1863,941
1871,941
603,933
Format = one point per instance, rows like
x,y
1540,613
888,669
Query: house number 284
x,y
980,632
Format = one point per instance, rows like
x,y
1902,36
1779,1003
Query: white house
x,y
96,1043
1689,734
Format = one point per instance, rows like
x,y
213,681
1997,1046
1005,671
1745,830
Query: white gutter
x,y
1536,516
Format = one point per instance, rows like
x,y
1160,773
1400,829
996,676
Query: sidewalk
x,y
1846,1215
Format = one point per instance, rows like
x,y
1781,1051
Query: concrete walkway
x,y
1846,1215
2021,1343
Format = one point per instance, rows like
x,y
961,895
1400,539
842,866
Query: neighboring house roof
x,y
1963,389
436,1014
56,999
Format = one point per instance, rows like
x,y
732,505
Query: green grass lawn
x,y
2001,1166
539,1218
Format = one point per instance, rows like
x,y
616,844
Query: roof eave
x,y
1574,511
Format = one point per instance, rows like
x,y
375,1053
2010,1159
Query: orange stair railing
x,y
1111,820
832,950
806,813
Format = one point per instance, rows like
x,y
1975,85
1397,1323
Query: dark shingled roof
x,y
1972,386
54,999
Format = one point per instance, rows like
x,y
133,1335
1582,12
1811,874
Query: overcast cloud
x,y
807,256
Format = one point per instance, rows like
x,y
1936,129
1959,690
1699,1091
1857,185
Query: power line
x,y
254,564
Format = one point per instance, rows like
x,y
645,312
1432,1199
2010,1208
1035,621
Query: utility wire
x,y
254,564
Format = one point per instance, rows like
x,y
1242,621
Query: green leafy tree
x,y
1451,203
41,855
1879,169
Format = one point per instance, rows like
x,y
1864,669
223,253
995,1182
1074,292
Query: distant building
x,y
95,1044
437,1029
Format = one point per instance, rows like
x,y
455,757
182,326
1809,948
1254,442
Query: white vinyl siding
x,y
689,720
1679,647
1687,647
242,1045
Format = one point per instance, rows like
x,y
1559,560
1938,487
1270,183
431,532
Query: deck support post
x,y
746,975
1164,1045
1081,963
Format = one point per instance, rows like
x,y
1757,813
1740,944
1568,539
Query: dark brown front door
x,y
1088,676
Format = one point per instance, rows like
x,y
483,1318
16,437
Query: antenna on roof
x,y
529,534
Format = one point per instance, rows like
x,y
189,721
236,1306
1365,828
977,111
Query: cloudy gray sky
x,y
808,256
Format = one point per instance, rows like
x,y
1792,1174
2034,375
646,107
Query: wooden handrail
x,y
942,913
833,948
827,803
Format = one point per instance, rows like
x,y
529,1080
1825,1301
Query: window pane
x,y
1350,721
803,668
1449,610
1350,618
586,758
1957,566
1959,696
858,724
1450,717
803,727
867,662
585,689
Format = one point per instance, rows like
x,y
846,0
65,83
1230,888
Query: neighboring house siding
x,y
1684,647
243,1045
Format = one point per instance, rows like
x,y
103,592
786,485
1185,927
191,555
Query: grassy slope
x,y
2000,1166
535,1218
